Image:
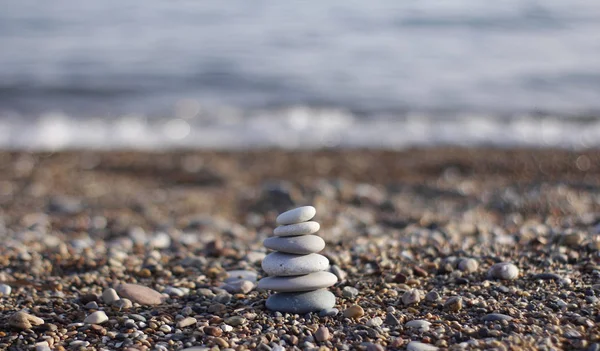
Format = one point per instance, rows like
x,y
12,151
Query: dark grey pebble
x,y
329,312
223,298
496,317
301,302
349,292
138,317
65,205
546,276
390,319
572,334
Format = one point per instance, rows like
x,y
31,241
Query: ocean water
x,y
297,74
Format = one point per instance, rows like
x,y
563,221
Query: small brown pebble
x,y
453,304
98,329
354,311
144,273
221,342
420,272
178,270
215,320
322,334
84,299
215,247
413,282
400,278
572,239
214,331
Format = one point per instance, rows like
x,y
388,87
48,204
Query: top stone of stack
x,y
297,215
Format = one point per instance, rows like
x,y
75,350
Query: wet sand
x,y
397,224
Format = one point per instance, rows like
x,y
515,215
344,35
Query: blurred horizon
x,y
164,74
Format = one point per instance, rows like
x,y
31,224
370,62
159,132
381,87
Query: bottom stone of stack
x,y
301,302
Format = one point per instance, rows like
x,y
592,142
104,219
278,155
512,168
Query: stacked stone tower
x,y
296,271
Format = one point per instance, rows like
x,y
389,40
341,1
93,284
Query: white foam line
x,y
294,128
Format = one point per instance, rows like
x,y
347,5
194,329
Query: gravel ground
x,y
448,248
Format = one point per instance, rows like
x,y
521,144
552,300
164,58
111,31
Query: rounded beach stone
x,y
110,295
496,317
301,302
307,282
419,346
284,264
141,294
97,317
468,265
301,245
5,290
303,228
297,215
504,271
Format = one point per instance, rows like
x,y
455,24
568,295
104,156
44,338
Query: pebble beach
x,y
433,249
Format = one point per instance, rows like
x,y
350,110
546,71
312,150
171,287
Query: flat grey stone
x,y
303,228
235,275
301,245
239,286
390,319
301,302
92,305
546,276
349,292
496,317
329,312
284,264
419,346
419,324
297,215
312,281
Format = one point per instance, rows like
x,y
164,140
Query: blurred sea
x,y
239,74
